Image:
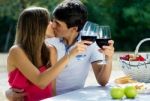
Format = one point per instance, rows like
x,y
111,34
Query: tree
x,y
9,12
129,19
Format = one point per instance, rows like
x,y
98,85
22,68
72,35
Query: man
x,y
69,18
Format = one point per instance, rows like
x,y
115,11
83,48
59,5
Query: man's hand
x,y
15,94
108,50
103,74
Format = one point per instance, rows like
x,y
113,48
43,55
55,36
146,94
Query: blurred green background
x,y
129,20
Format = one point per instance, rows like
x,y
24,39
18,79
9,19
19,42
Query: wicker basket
x,y
138,70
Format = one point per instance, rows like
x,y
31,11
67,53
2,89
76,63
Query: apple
x,y
117,92
130,92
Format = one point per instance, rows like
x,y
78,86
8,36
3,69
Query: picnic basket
x,y
138,70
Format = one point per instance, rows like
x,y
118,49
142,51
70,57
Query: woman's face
x,y
50,31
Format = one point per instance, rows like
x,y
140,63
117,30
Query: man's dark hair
x,y
72,12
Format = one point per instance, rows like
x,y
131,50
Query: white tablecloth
x,y
93,93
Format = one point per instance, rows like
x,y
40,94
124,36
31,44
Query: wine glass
x,y
88,34
103,35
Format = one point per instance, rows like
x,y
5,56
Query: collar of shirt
x,y
78,38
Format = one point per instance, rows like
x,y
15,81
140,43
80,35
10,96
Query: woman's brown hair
x,y
30,34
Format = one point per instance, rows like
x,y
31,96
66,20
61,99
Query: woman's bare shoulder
x,y
14,49
14,52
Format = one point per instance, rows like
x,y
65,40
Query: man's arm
x,y
54,87
102,72
15,94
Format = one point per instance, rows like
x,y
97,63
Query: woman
x,y
29,63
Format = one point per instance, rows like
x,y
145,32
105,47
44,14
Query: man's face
x,y
60,28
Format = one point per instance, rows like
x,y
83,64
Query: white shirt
x,y
74,75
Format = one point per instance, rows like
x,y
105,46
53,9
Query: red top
x,y
34,93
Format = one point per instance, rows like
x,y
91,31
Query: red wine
x,y
102,42
89,38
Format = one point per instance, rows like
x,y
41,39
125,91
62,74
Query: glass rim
x,y
105,25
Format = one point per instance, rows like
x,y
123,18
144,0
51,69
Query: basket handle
x,y
139,44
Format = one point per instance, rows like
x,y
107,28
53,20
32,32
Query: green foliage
x,y
9,12
129,19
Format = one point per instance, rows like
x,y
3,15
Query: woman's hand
x,y
50,31
79,48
